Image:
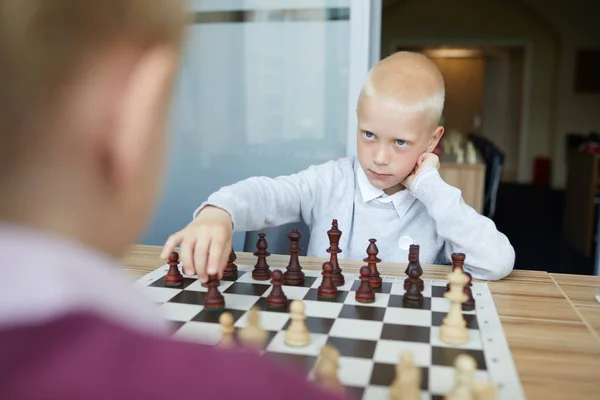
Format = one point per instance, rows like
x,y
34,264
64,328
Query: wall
x,y
552,30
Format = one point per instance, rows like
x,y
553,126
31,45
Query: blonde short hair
x,y
43,44
404,72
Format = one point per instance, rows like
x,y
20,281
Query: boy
x,y
392,192
84,89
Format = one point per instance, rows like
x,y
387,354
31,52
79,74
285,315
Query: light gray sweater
x,y
431,214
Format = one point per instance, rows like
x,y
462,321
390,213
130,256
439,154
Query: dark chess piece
x,y
213,299
458,261
327,290
372,260
293,275
230,273
413,295
334,240
413,263
365,293
276,299
468,305
174,278
261,271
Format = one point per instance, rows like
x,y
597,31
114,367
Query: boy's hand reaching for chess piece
x,y
425,162
205,243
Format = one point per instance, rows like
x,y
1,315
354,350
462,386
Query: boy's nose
x,y
381,156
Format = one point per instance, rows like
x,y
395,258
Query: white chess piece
x,y
471,154
326,370
464,369
252,335
454,327
297,334
407,384
227,331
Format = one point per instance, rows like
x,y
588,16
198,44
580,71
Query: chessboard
x,y
373,326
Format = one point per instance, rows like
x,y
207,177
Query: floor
x,y
531,217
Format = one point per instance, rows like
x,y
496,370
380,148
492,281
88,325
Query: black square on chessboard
x,y
406,333
249,289
315,324
302,361
352,311
354,392
438,291
397,301
308,282
354,347
386,287
445,356
438,317
189,297
213,316
313,294
263,306
384,375
161,282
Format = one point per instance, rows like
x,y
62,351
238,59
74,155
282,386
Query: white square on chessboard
x,y
247,278
474,342
407,316
398,289
441,304
159,294
179,312
291,292
443,378
381,300
375,392
355,371
389,351
311,272
269,320
322,309
239,301
316,343
199,332
196,286
356,329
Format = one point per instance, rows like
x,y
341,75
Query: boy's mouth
x,y
378,175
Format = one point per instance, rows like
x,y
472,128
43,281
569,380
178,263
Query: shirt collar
x,y
46,276
402,200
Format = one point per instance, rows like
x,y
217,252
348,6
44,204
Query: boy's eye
x,y
400,142
369,134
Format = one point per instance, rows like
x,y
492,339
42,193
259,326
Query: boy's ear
x,y
141,117
435,138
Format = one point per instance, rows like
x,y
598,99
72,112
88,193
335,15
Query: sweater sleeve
x,y
259,202
488,253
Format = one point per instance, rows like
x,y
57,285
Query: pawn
x,y
297,334
230,273
469,304
213,299
407,384
276,299
413,294
174,278
327,290
464,369
252,335
326,370
365,293
227,331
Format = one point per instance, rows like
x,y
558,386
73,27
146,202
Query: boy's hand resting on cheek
x,y
425,162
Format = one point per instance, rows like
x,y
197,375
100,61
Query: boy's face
x,y
390,142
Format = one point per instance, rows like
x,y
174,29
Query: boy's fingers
x,y
200,256
187,256
170,244
215,256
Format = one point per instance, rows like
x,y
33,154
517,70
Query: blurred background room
x,y
269,87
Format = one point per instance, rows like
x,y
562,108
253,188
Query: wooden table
x,y
551,321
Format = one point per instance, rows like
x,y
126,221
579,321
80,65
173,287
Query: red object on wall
x,y
541,171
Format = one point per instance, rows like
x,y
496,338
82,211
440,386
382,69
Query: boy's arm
x,y
489,254
259,202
